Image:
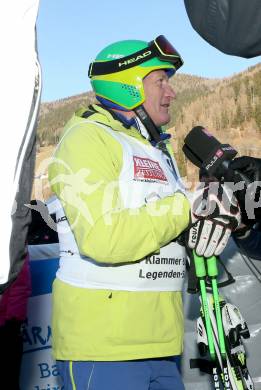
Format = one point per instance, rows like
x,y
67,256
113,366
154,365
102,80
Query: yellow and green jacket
x,y
100,177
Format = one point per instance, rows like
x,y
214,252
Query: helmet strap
x,y
157,137
153,130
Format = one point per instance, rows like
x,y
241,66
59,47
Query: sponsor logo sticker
x,y
146,169
219,153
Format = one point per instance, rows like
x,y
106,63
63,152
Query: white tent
x,y
20,81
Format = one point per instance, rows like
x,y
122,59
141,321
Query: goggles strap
x,y
107,67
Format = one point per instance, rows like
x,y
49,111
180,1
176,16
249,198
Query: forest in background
x,y
230,108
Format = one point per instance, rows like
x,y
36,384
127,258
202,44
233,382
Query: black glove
x,y
214,215
249,166
248,169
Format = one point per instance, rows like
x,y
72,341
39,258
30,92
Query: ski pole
x,y
207,267
201,275
212,272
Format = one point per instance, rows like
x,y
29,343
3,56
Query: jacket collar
x,y
117,122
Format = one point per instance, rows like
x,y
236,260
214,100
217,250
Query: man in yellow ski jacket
x,y
117,306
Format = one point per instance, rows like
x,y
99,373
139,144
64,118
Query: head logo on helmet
x,y
135,59
118,70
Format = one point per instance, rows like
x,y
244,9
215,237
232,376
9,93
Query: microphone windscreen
x,y
199,145
207,153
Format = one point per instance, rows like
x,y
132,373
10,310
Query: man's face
x,y
158,96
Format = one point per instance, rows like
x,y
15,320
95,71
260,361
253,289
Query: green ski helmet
x,y
118,70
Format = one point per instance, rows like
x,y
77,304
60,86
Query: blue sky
x,y
71,33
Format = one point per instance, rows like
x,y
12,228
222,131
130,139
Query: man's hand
x,y
249,166
214,215
248,169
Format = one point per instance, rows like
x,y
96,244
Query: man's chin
x,y
163,121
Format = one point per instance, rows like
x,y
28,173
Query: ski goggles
x,y
160,47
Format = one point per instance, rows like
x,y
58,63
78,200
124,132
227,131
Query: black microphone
x,y
208,154
213,159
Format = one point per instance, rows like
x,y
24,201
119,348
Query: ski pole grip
x,y
212,266
199,265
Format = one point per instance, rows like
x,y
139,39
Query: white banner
x,y
39,370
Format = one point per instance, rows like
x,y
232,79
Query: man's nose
x,y
170,92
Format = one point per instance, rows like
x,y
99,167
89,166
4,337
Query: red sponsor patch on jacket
x,y
146,169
